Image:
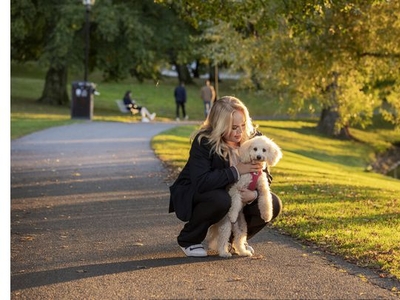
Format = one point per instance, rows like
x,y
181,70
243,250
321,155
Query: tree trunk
x,y
212,75
196,71
55,87
327,124
183,74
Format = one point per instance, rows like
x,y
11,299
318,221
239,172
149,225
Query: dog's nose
x,y
259,157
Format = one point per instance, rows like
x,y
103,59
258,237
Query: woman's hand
x,y
248,196
249,167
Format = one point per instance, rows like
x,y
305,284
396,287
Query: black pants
x,y
182,106
211,207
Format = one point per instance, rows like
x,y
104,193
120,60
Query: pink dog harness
x,y
254,178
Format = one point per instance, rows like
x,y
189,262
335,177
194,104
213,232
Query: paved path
x,y
89,221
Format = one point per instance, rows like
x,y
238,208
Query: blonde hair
x,y
219,123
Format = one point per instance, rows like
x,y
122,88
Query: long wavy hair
x,y
219,123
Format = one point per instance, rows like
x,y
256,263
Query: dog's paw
x,y
266,216
224,254
243,249
244,253
233,219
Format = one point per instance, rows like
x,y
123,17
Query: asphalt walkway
x,y
89,220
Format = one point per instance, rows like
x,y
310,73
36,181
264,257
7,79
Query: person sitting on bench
x,y
134,108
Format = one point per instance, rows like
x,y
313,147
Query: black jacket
x,y
180,94
129,103
203,172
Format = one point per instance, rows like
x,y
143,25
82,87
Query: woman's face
x,y
234,136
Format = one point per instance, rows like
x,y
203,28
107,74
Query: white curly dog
x,y
257,149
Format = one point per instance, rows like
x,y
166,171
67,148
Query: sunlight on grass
x,y
329,200
36,116
26,123
176,156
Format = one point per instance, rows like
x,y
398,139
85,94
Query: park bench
x,y
123,109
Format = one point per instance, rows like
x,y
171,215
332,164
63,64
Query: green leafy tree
x,y
127,38
321,55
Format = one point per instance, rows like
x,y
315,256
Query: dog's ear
x,y
274,153
244,151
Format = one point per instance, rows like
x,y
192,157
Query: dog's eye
x,y
264,150
255,149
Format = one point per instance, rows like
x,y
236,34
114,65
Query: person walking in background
x,y
180,100
134,108
207,94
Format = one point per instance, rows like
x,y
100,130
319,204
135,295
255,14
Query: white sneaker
x,y
186,117
195,251
152,116
145,120
177,119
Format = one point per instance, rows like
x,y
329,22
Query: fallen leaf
x,y
235,279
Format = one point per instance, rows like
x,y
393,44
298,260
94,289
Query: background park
x,y
321,78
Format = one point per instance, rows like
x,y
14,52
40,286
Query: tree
x,y
327,56
38,33
126,38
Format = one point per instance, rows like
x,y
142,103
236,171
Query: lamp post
x,y
82,92
88,4
216,80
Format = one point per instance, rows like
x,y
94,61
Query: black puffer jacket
x,y
203,172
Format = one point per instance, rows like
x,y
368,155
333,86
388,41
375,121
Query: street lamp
x,y
82,92
216,80
88,4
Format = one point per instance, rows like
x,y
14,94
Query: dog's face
x,y
261,149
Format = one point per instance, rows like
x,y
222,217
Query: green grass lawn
x,y
329,199
27,82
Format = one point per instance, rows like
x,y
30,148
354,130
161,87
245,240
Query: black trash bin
x,y
82,100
